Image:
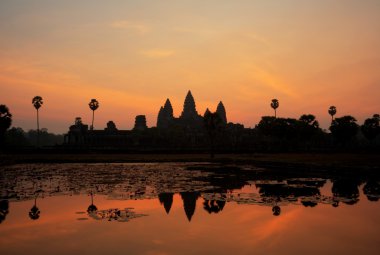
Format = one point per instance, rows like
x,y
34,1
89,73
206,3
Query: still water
x,y
176,208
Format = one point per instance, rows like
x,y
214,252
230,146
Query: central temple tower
x,y
189,109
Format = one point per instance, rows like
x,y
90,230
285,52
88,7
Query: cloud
x,y
128,25
157,53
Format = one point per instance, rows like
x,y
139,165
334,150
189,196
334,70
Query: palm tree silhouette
x,y
94,104
37,103
34,213
332,112
275,104
5,122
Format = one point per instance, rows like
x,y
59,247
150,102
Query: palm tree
x,y
275,104
94,104
332,112
5,122
37,103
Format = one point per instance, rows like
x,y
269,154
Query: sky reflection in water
x,y
184,209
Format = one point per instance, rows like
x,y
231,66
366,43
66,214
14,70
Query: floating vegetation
x,y
214,182
115,215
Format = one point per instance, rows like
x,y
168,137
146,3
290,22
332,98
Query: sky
x,y
133,55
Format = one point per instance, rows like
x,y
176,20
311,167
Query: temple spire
x,y
206,112
165,115
221,111
168,108
189,109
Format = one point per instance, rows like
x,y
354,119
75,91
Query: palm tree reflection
x,y
34,213
276,210
92,208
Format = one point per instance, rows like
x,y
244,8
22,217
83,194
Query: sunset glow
x,y
133,55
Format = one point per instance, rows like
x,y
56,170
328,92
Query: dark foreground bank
x,y
345,161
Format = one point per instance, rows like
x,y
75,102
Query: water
x,y
185,209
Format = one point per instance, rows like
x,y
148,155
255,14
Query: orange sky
x,y
132,55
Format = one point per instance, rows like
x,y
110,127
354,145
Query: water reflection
x,y
189,202
115,214
166,199
372,190
34,213
213,206
92,208
4,210
217,185
346,190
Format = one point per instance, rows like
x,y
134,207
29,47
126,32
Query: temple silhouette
x,y
186,131
189,117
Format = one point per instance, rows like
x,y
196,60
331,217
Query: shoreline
x,y
286,160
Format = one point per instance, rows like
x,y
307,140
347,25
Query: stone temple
x,y
189,116
185,131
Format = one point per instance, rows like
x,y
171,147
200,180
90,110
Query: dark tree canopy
x,y
16,138
278,127
344,128
308,126
310,120
371,127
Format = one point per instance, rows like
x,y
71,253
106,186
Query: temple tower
x,y
221,111
168,109
165,115
140,123
189,110
206,112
